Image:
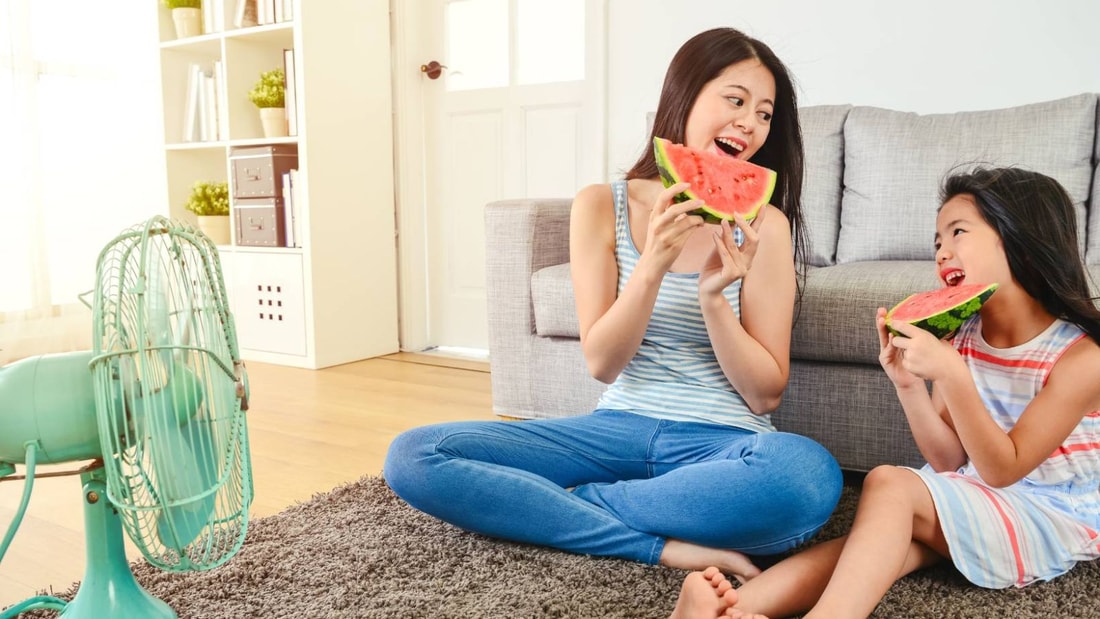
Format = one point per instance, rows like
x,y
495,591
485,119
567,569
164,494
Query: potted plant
x,y
210,202
269,95
187,16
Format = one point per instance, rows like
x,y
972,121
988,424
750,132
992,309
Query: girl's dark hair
x,y
703,58
1035,218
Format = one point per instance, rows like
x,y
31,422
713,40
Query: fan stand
x,y
109,589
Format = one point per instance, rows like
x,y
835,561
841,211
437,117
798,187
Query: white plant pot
x,y
216,227
188,22
274,121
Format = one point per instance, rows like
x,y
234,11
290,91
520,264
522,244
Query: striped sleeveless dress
x,y
1041,526
675,374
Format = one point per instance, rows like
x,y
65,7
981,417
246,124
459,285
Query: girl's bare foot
x,y
685,556
704,595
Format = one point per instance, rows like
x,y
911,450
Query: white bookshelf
x,y
334,299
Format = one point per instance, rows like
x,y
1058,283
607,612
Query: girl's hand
x,y
670,226
917,356
728,262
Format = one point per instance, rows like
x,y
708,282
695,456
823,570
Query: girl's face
x,y
733,112
968,249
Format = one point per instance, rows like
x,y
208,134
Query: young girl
x,y
679,464
1011,430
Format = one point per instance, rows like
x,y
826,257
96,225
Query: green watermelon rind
x,y
945,322
709,214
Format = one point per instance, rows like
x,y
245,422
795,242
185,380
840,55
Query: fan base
x,y
109,590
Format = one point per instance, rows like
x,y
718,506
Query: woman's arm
x,y
611,326
754,352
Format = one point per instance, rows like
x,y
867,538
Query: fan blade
x,y
179,447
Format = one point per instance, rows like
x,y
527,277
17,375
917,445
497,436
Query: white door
x,y
514,112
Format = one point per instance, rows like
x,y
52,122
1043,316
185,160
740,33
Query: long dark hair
x,y
703,58
1034,216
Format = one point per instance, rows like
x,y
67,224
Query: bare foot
x,y
685,556
733,613
704,595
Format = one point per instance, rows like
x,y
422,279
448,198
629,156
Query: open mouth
x,y
730,147
954,277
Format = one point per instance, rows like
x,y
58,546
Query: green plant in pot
x,y
186,16
209,200
269,94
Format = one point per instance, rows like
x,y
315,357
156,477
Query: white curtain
x,y
80,157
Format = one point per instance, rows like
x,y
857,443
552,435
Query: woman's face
x,y
733,112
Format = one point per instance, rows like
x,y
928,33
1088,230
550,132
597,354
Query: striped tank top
x,y
675,375
1039,527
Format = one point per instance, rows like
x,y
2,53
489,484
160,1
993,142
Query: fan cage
x,y
169,385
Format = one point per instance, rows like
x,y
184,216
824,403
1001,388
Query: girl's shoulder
x,y
1085,351
1078,368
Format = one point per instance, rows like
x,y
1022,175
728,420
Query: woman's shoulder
x,y
595,194
775,224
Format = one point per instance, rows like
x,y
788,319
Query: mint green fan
x,y
157,405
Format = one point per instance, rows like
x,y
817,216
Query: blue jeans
x,y
636,481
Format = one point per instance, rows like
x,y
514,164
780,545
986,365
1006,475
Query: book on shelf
x,y
191,105
291,208
291,99
244,14
262,12
213,16
203,120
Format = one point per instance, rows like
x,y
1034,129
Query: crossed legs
x,y
896,531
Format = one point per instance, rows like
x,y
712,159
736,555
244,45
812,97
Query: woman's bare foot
x,y
733,613
685,556
704,595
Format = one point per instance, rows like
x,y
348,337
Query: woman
x,y
679,464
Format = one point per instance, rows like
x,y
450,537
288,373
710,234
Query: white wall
x,y
926,57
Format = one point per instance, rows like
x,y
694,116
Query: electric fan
x,y
157,405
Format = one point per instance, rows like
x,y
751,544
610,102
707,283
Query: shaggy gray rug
x,y
359,551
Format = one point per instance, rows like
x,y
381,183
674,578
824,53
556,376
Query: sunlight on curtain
x,y
80,158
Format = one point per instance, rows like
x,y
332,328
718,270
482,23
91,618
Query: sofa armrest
x,y
521,237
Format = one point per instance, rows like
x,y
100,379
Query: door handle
x,y
433,69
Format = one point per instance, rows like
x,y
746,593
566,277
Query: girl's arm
x,y
927,415
612,325
932,430
1071,391
754,352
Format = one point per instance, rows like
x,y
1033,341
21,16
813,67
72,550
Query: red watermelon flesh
x,y
940,312
725,184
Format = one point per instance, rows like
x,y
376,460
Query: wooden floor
x,y
309,431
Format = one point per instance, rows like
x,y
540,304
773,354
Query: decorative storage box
x,y
259,221
256,192
258,170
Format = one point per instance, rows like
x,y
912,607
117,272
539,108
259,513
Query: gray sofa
x,y
870,196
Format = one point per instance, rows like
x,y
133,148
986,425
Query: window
x,y
80,159
548,45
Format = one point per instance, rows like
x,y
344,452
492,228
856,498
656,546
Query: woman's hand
x,y
914,356
670,226
728,262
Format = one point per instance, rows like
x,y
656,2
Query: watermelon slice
x,y
726,185
942,311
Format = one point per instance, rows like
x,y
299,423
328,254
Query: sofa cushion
x,y
894,163
823,140
836,319
555,305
